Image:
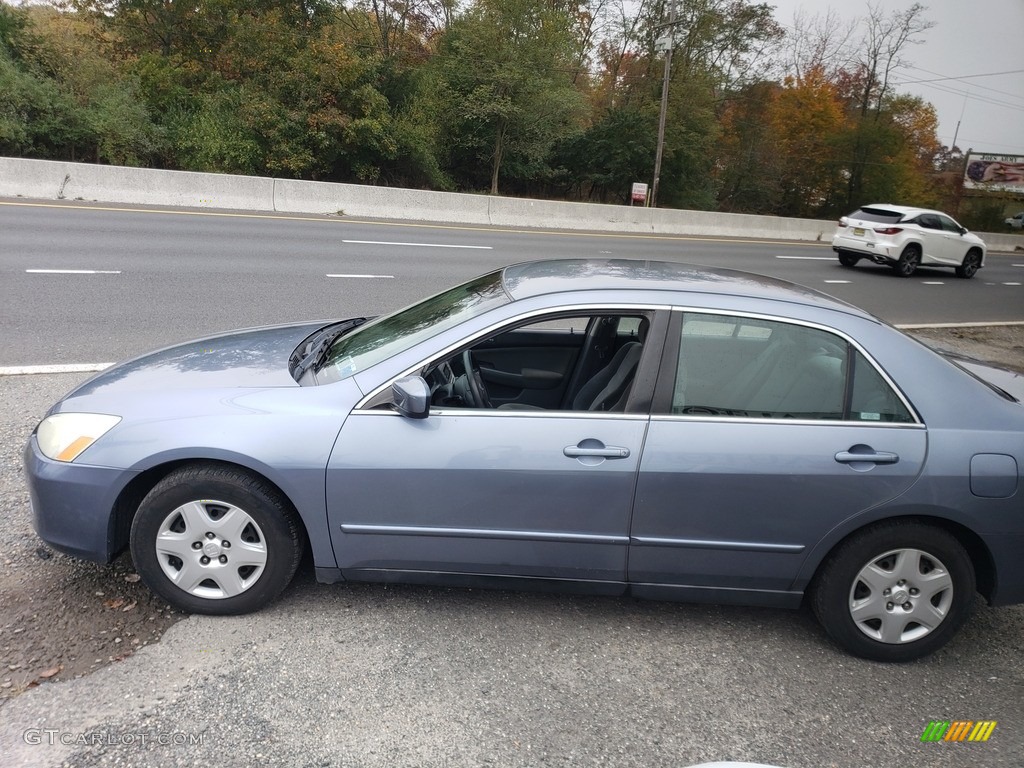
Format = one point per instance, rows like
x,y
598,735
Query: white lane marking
x,y
1017,265
1011,283
74,271
916,326
367,277
419,245
28,370
837,282
932,282
808,258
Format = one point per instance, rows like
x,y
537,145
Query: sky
x,y
970,37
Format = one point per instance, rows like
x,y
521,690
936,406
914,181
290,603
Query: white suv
x,y
906,238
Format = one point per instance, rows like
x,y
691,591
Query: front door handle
x,y
866,457
604,452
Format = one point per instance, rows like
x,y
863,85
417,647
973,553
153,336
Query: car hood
x,y
250,358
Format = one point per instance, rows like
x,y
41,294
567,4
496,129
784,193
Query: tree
x,y
750,163
807,118
886,37
504,71
603,161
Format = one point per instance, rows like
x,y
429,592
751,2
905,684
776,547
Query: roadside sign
x,y
639,193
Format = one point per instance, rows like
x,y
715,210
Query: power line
x,y
943,77
965,77
979,97
976,97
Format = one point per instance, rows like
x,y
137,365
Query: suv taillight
x,y
842,221
889,230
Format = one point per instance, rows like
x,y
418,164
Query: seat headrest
x,y
645,326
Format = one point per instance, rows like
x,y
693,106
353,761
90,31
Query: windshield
x,y
390,334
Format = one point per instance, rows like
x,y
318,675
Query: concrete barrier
x,y
50,180
998,242
711,223
379,202
554,214
139,186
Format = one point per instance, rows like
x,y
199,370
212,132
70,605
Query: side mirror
x,y
411,397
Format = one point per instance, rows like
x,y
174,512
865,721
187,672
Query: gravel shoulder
x,y
999,344
61,618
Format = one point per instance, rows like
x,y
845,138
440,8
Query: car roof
x,y
900,209
536,278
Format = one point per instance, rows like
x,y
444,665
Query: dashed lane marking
x,y
367,277
807,258
73,271
419,245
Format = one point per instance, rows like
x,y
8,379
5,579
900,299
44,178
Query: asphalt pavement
x,y
87,284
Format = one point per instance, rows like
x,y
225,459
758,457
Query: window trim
x,y
662,404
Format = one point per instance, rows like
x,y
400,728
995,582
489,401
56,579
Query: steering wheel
x,y
477,391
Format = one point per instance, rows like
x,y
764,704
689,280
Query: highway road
x,y
84,283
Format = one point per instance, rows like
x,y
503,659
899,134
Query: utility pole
x,y
671,26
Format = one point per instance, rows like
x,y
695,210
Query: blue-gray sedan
x,y
612,427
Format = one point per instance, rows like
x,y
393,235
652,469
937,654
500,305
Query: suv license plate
x,y
858,231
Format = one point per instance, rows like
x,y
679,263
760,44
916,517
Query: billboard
x,y
998,173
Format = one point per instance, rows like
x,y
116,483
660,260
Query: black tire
x,y
848,259
908,260
970,265
235,520
940,572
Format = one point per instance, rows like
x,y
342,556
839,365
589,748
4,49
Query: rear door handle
x,y
873,457
608,452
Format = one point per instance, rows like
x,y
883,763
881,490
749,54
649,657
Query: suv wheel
x,y
971,265
908,261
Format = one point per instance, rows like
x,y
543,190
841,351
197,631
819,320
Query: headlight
x,y
64,436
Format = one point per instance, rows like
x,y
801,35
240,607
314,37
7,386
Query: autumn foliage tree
x,y
555,98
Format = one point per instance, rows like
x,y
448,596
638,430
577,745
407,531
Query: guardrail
x,y
49,179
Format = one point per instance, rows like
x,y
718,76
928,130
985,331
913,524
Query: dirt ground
x,y
61,618
1000,344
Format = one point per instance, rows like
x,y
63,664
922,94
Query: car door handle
x,y
872,457
607,452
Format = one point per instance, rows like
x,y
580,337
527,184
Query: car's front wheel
x,y
216,540
970,265
908,260
895,592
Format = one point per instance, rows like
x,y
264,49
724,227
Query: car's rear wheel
x,y
971,264
216,540
908,260
895,592
848,259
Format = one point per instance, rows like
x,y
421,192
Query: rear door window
x,y
767,369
